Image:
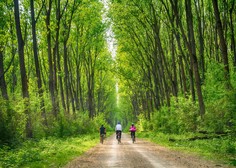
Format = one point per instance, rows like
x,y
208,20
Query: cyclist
x,y
118,129
102,132
132,130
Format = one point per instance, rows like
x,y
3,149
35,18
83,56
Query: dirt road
x,y
141,154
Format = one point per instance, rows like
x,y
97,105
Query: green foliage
x,y
220,102
66,126
11,123
183,114
98,121
221,149
143,124
51,152
179,118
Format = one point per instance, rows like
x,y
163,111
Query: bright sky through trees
x,y
111,41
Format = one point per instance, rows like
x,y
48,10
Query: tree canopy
x,y
174,69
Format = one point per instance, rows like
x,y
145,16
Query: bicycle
x,y
132,137
119,137
102,137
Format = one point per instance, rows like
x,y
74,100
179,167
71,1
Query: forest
x,y
173,71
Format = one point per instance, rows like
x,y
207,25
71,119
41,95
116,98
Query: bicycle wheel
x,y
119,141
133,138
119,138
102,138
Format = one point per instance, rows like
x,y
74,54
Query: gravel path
x,y
141,154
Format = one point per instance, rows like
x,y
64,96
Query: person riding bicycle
x,y
132,130
118,129
102,132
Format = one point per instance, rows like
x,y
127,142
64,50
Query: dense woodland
x,y
174,69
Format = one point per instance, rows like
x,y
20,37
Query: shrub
x,y
180,117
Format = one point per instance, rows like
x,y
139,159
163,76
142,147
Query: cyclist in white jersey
x,y
118,129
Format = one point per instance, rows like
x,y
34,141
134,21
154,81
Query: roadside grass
x,y
221,149
51,152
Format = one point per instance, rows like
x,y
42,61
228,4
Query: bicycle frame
x,y
119,137
102,138
132,137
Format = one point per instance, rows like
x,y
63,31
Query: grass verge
x,y
222,149
51,152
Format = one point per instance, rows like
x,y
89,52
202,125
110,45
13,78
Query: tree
x,y
3,84
50,60
36,59
24,80
223,45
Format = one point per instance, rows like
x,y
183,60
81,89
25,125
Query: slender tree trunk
x,y
157,90
200,38
173,58
3,84
90,83
50,61
191,47
72,88
192,50
57,58
36,61
79,87
149,94
90,98
174,18
157,84
183,76
223,45
233,45
13,53
66,77
182,57
66,35
78,73
24,80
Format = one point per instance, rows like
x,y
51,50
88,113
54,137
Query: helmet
x,y
118,122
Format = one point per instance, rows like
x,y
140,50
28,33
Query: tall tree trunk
x,y
200,37
174,19
233,45
174,81
192,50
13,53
78,61
90,82
36,61
66,35
223,45
161,62
90,96
3,84
72,88
57,57
182,57
66,77
79,87
50,61
24,80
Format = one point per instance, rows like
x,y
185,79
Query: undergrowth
x,y
51,152
222,149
